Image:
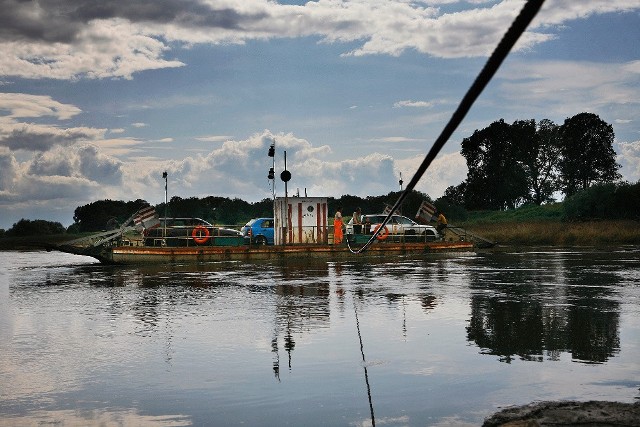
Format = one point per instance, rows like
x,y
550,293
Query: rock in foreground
x,y
593,413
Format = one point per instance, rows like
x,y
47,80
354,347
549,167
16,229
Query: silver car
x,y
398,225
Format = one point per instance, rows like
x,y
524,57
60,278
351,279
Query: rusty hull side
x,y
146,255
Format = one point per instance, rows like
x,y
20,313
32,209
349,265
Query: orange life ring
x,y
200,234
383,234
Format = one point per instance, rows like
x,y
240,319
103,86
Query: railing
x,y
409,237
192,235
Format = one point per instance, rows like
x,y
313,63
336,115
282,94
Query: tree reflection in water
x,y
536,313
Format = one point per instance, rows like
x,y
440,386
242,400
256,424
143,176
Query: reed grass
x,y
558,233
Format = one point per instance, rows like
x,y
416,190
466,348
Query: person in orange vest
x,y
337,226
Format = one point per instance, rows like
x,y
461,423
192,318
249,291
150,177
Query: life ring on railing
x,y
200,234
383,234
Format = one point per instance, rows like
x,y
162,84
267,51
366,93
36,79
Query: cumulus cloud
x,y
83,161
239,168
78,38
629,159
75,173
446,170
8,168
47,164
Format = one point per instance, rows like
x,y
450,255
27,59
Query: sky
x,y
98,99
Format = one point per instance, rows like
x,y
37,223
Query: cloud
x,y
18,135
22,105
557,12
8,168
101,49
444,171
397,139
84,161
214,138
414,104
568,87
73,39
31,137
54,163
629,159
20,187
239,168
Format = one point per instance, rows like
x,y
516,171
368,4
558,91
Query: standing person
x,y
337,226
442,223
357,221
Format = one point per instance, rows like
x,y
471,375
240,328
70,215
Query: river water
x,y
440,341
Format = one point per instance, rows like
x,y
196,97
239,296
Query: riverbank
x,y
558,233
36,242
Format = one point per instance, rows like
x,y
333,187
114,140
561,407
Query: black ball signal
x,y
285,176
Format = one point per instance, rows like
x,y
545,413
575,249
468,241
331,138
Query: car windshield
x,y
403,220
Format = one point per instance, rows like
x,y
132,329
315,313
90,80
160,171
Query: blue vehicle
x,y
258,231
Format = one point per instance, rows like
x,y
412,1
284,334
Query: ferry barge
x,y
301,230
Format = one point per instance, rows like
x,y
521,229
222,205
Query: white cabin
x,y
300,220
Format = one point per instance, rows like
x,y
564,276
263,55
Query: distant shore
x,y
33,242
516,233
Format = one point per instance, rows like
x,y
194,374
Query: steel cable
x,y
518,27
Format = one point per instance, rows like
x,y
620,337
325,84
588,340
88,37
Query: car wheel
x,y
261,240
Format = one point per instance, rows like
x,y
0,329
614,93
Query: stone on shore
x,y
567,413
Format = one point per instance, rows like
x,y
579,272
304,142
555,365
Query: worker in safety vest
x,y
442,223
337,226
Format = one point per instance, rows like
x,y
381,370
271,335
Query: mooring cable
x,y
518,27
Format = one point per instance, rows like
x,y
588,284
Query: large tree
x,y
496,177
540,154
587,153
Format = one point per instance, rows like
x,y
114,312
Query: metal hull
x,y
159,255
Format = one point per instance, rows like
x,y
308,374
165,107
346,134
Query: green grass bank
x,y
545,225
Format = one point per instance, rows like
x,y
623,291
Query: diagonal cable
x,y
501,51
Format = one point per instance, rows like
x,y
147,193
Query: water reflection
x,y
328,340
113,417
299,308
534,306
520,308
